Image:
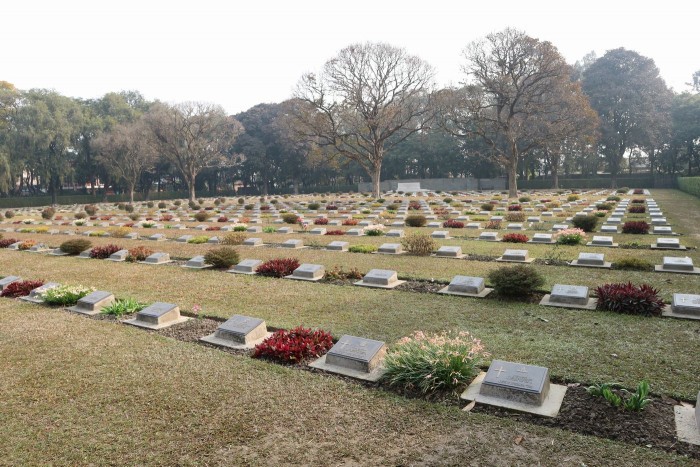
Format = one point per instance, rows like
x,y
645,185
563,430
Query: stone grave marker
x,y
157,258
558,227
247,266
662,230
214,240
132,236
184,238
308,272
118,256
159,315
541,238
7,280
254,229
196,262
466,286
39,248
356,357
285,230
395,233
293,244
337,246
668,244
92,303
14,246
473,225
569,296
659,221
684,306
239,332
608,228
355,232
380,278
591,260
517,386
677,265
35,295
688,422
253,241
318,231
602,240
390,249
515,256
449,252
157,237
547,214
514,226
489,236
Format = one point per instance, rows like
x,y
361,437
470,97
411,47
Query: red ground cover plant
x,y
222,219
5,242
278,267
103,252
321,221
20,288
635,227
213,228
515,207
629,299
637,209
166,218
138,253
331,207
515,238
453,224
294,346
350,222
335,232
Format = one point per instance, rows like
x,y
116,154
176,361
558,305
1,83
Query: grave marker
x,y
569,296
380,278
684,306
668,244
7,280
541,238
118,256
390,249
308,272
196,262
449,252
157,258
591,260
293,243
239,332
354,356
515,256
247,266
157,316
254,242
602,240
92,303
677,265
337,246
35,295
466,286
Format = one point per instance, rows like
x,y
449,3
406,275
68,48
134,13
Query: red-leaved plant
x,y
453,224
350,222
5,242
294,346
321,221
637,209
278,267
20,288
629,299
635,227
515,207
335,232
515,238
103,252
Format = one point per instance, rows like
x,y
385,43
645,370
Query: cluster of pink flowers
x,y
452,342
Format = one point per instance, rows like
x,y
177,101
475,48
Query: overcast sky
x,y
239,55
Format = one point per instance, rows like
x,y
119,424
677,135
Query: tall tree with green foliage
x,y
632,101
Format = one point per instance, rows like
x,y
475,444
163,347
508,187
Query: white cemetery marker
x,y
247,266
355,357
159,315
239,332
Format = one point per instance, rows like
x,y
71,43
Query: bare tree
x,y
367,99
194,136
127,151
519,97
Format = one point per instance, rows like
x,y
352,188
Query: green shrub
x,y
374,232
487,207
290,218
419,244
9,214
162,205
192,205
585,223
524,199
129,208
150,204
222,257
572,198
633,263
362,248
416,220
91,209
314,206
623,190
48,213
201,216
516,281
269,229
613,198
430,363
65,295
134,216
75,246
240,228
123,307
80,215
240,201
690,185
198,240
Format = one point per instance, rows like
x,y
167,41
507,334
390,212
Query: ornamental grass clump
x,y
123,306
570,236
278,267
635,227
434,362
419,244
629,299
294,346
290,218
233,238
515,216
105,251
516,281
65,295
20,288
198,240
416,220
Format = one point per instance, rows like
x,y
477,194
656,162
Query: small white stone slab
x,y
157,258
157,237
247,266
355,357
515,256
558,227
7,280
390,249
118,256
380,278
454,252
466,286
308,272
395,233
196,262
569,296
184,238
254,229
337,246
541,238
489,236
254,242
687,425
239,332
92,303
591,260
677,265
293,244
667,244
157,316
684,306
318,231
602,240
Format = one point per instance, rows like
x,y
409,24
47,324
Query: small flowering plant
x,y
65,295
432,362
570,236
294,346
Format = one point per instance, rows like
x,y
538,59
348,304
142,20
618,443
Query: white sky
x,y
241,55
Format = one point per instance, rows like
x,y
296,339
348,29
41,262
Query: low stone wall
x,y
442,184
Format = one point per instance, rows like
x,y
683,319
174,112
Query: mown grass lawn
x,y
79,392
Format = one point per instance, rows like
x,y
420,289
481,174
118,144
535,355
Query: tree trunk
x,y
376,179
296,186
555,177
53,189
190,186
131,193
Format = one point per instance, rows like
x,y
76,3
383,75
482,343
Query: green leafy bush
x,y
634,402
48,213
91,209
9,214
75,246
416,220
487,207
429,363
362,248
524,199
516,281
233,238
374,232
569,236
198,240
572,198
314,206
419,244
222,257
65,295
290,218
201,216
123,307
585,223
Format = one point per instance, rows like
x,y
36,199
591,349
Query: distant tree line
x,y
372,112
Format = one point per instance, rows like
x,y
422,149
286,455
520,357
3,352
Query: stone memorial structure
x,y
355,357
569,296
308,272
380,278
239,332
247,266
466,286
157,316
92,303
591,260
